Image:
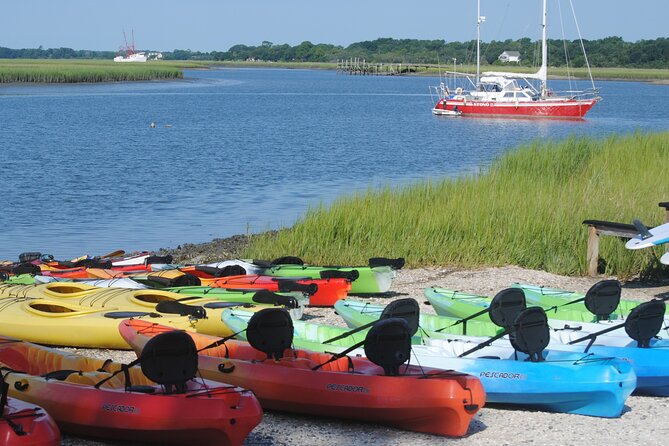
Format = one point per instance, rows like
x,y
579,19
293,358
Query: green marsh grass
x,y
71,70
526,209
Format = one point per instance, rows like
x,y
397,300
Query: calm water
x,y
240,150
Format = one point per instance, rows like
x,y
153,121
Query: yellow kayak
x,y
67,324
81,315
91,296
95,297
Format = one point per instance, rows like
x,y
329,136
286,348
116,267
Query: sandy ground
x,y
644,420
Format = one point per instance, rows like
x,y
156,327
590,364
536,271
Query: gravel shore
x,y
643,422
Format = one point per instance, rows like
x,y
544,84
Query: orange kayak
x,y
190,411
24,424
416,398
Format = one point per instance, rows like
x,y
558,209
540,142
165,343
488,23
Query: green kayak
x,y
375,278
307,335
601,304
246,297
356,313
552,297
20,279
460,305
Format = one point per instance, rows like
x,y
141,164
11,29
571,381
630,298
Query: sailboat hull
x,y
548,108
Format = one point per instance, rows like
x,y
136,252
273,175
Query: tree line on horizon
x,y
606,52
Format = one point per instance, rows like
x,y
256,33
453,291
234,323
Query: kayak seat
x,y
340,365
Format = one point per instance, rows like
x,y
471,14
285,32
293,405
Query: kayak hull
x,y
371,280
25,424
442,403
208,413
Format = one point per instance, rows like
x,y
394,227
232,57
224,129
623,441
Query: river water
x,y
238,151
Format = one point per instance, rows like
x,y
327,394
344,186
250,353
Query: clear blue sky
x,y
208,25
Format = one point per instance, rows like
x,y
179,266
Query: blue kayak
x,y
651,363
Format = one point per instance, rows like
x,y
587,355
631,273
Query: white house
x,y
509,56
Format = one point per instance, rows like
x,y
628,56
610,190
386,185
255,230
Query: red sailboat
x,y
501,94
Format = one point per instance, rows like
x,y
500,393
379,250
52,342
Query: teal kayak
x,y
567,382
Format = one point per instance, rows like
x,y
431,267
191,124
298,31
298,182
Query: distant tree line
x,y
54,53
607,52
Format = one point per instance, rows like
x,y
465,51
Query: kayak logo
x,y
503,375
347,388
119,408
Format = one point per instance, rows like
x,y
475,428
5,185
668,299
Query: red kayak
x,y
161,402
24,424
323,292
408,397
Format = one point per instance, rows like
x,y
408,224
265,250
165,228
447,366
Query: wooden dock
x,y
360,67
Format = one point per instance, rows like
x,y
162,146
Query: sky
x,y
208,25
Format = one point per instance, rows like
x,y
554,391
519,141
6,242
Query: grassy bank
x,y
95,70
69,71
526,209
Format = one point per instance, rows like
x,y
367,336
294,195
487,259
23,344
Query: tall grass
x,y
69,71
526,209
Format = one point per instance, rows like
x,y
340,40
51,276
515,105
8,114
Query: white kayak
x,y
121,282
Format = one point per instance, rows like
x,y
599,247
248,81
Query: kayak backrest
x,y
262,263
267,297
26,268
183,279
530,333
4,392
407,309
230,270
645,322
26,257
288,284
382,261
170,359
388,344
338,274
603,298
158,259
270,331
287,260
506,306
174,307
95,263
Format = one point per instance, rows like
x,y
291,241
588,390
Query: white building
x,y
509,56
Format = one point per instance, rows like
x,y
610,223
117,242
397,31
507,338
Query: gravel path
x,y
643,422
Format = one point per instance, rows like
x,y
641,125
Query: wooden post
x,y
593,250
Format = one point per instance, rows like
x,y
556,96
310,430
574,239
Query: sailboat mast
x,y
478,40
543,71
